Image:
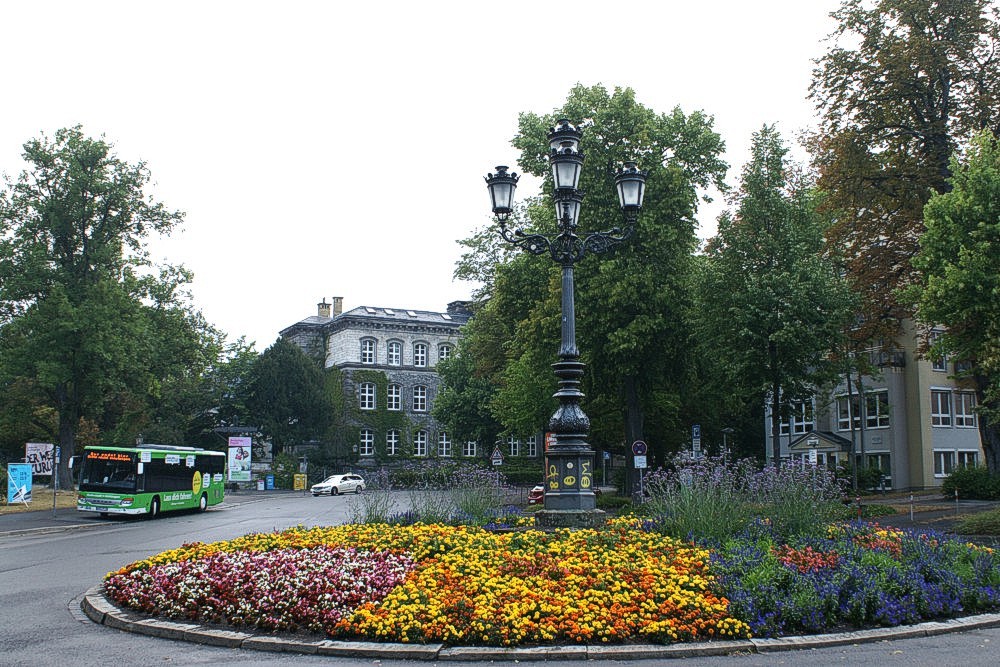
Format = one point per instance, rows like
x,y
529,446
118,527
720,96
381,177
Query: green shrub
x,y
972,483
984,523
611,501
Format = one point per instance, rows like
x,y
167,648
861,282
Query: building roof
x,y
457,315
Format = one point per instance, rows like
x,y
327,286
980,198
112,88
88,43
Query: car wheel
x,y
359,489
203,503
154,508
334,491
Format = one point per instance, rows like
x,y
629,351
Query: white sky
x,y
338,148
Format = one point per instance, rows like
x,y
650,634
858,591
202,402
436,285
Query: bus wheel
x,y
203,503
334,491
154,508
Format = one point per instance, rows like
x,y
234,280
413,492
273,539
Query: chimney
x,y
323,308
338,305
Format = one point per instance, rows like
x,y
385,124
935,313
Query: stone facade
x,y
388,357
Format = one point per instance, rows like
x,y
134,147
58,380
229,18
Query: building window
x,y
944,463
394,398
368,350
938,362
444,445
420,443
513,446
940,407
965,409
881,462
877,409
367,395
392,442
967,459
947,461
469,448
532,443
801,418
367,442
848,413
394,353
420,398
444,352
420,354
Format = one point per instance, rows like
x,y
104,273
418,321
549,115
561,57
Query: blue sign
x,y
607,456
18,483
696,432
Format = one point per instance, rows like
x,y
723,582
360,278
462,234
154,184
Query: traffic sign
x,y
640,460
497,457
639,448
696,438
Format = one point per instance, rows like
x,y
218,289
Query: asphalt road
x,y
47,562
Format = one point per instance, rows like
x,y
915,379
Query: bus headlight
x,y
125,502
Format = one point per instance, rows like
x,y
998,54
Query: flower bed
x,y
466,585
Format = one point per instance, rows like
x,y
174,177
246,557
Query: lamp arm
x,y
536,244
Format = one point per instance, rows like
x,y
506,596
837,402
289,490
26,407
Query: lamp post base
x,y
570,518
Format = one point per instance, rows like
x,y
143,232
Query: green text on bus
x,y
149,479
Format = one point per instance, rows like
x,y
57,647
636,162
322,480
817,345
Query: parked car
x,y
337,484
537,494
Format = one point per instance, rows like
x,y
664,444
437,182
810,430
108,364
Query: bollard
x,y
911,508
956,502
858,501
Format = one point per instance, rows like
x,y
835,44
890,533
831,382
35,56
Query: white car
x,y
337,484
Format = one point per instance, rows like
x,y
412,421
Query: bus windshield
x,y
108,471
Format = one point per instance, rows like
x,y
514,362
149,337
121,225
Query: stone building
x,y
916,422
388,357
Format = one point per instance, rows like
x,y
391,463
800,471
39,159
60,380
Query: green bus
x,y
149,479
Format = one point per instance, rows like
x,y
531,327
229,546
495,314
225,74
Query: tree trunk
x,y
633,431
68,420
775,424
989,430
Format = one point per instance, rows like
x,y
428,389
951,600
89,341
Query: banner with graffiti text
x,y
239,459
41,456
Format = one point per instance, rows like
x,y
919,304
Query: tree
x,y
905,82
287,397
76,292
631,303
959,285
772,306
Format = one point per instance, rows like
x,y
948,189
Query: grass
x,y
41,500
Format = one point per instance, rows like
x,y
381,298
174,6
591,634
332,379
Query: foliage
x,y
284,467
711,498
631,304
983,523
624,583
959,282
974,483
286,395
98,331
453,492
772,305
904,83
858,574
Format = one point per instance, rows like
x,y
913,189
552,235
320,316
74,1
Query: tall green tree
x,y
959,284
76,289
287,396
903,84
772,306
631,303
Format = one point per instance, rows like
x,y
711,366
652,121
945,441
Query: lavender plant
x,y
711,498
377,503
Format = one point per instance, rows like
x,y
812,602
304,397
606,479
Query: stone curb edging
x,y
98,609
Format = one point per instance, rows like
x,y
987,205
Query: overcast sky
x,y
327,149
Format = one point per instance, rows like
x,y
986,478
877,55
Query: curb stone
x,y
101,611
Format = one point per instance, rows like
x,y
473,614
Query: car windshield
x,y
331,479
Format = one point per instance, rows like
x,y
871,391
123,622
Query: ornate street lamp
x,y
569,461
